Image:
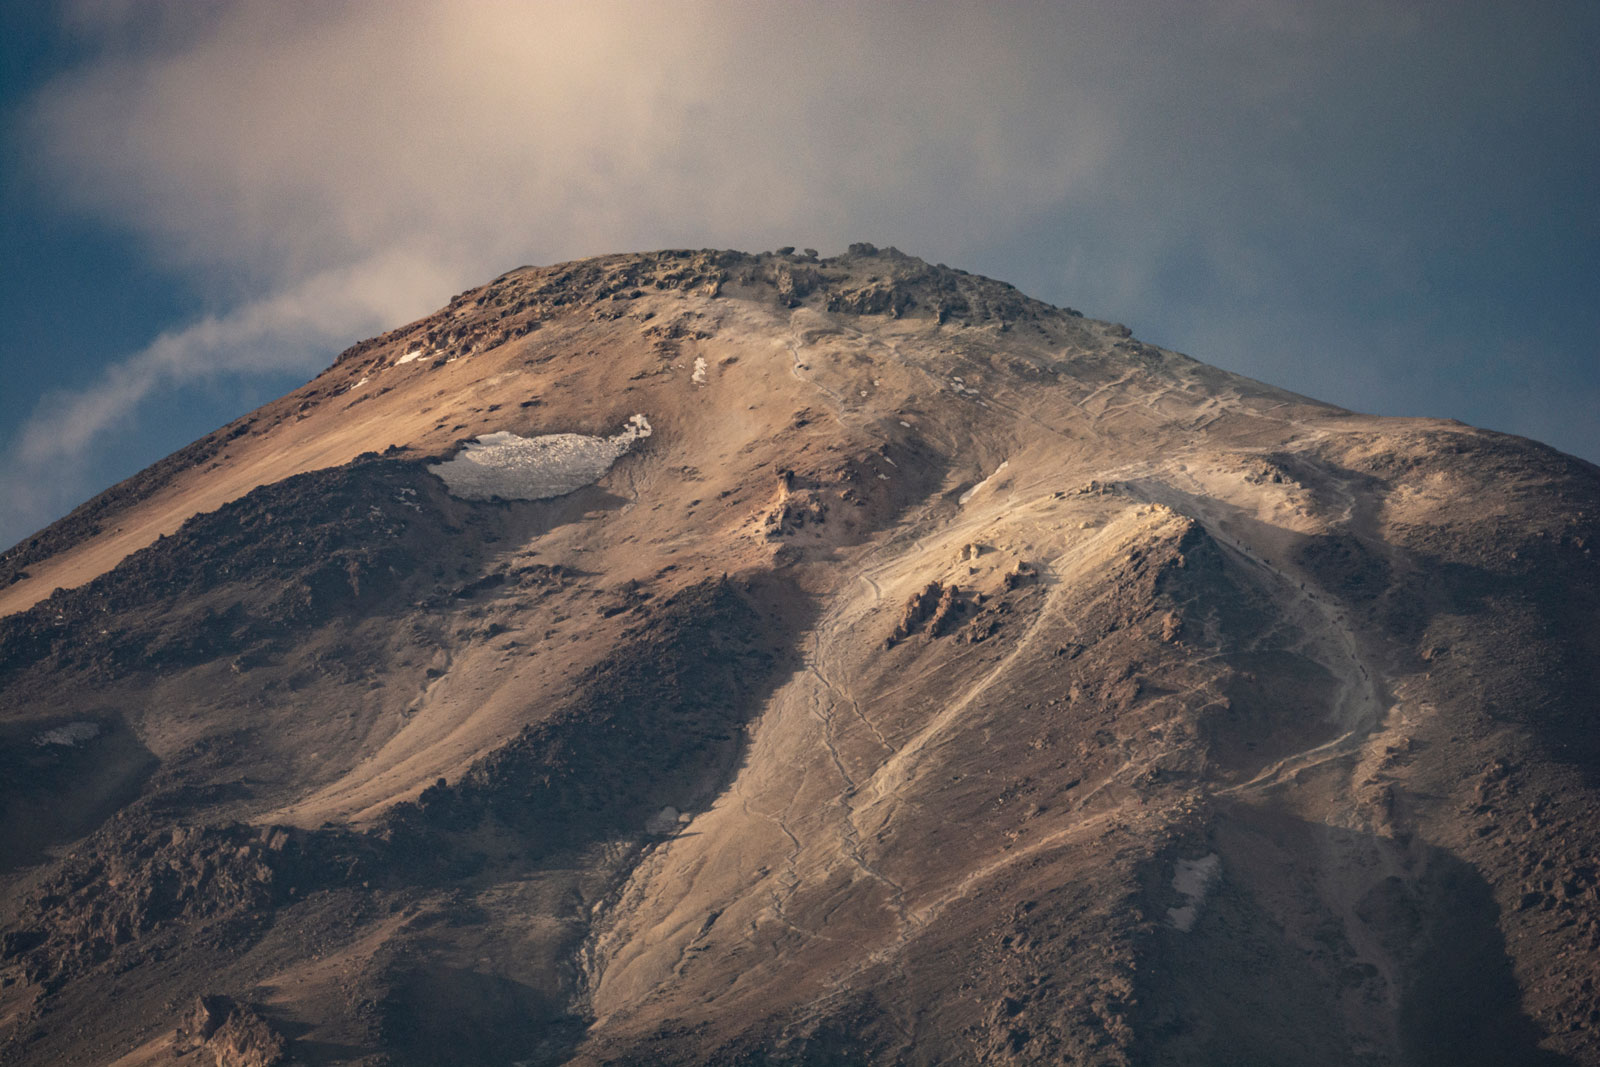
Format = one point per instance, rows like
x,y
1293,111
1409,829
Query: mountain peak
x,y
670,297
865,280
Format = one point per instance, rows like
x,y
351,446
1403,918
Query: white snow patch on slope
x,y
970,493
536,468
415,353
699,370
71,735
1194,879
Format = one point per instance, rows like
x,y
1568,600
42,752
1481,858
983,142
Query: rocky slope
x,y
917,674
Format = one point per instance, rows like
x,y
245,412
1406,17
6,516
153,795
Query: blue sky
x,y
1390,206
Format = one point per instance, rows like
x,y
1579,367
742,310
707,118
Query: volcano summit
x,y
711,658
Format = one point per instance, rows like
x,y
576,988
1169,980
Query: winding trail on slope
x,y
1358,706
1344,870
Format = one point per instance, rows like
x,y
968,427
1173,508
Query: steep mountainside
x,y
699,657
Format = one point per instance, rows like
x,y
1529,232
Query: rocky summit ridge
x,y
710,658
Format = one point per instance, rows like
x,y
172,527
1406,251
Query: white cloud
x,y
283,138
292,329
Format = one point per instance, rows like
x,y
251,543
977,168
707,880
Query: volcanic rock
x,y
922,674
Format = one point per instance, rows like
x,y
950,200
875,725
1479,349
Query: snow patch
x,y
415,353
1194,879
970,493
699,377
71,735
536,468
